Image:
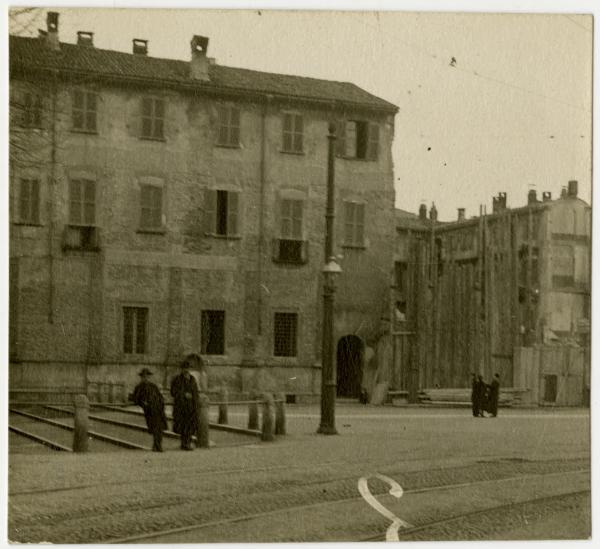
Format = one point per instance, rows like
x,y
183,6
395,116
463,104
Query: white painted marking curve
x,y
396,491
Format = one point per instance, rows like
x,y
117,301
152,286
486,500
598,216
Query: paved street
x,y
522,475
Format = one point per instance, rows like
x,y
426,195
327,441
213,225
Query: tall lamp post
x,y
330,272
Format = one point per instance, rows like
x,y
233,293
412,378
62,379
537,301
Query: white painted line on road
x,y
396,491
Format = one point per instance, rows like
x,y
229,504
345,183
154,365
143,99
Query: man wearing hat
x,y
184,391
147,395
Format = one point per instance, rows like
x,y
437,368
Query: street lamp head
x,y
332,267
332,129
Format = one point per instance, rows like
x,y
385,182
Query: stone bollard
x,y
280,414
202,434
268,419
80,433
223,396
253,412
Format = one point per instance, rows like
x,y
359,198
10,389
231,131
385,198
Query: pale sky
x,y
514,112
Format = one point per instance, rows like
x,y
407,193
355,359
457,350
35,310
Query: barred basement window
x,y
285,333
82,202
153,118
293,133
229,126
135,330
213,333
151,204
29,201
85,111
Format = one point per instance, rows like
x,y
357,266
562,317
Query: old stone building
x,y
162,206
505,292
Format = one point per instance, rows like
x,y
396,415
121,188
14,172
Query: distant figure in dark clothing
x,y
474,396
147,395
184,391
480,388
493,395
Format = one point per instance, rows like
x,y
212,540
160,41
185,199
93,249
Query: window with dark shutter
x,y
221,212
354,224
213,333
285,330
358,139
85,111
290,247
29,201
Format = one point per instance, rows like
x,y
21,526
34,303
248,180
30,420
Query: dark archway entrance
x,y
350,350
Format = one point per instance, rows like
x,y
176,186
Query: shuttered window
x,y
354,224
291,219
151,207
221,212
85,111
29,201
82,202
293,132
229,126
153,118
31,110
357,139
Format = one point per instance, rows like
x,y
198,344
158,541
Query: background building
x,y
160,207
505,292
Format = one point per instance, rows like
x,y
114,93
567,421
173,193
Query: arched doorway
x,y
350,351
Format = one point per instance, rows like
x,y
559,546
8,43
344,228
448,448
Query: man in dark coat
x,y
493,395
480,390
474,396
147,395
184,391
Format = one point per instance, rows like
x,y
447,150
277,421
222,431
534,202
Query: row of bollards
x,y
273,418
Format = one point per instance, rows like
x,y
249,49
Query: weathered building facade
x,y
471,295
159,207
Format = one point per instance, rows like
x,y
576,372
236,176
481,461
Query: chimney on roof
x,y
461,214
140,47
85,38
572,190
499,202
433,212
532,197
546,196
422,212
51,36
199,62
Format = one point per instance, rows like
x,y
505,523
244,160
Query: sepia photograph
x,y
298,274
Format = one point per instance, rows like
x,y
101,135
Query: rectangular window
x,y
82,202
550,388
135,330
401,277
85,111
354,224
221,212
563,267
153,118
151,203
290,247
357,139
293,133
213,333
285,333
229,126
29,201
31,114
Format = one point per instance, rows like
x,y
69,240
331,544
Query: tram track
x,y
182,513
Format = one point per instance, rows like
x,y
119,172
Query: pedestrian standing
x,y
493,395
474,396
480,395
184,391
200,375
147,395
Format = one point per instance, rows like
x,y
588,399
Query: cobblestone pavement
x,y
531,464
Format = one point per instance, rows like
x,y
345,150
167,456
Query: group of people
x,y
185,390
484,397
